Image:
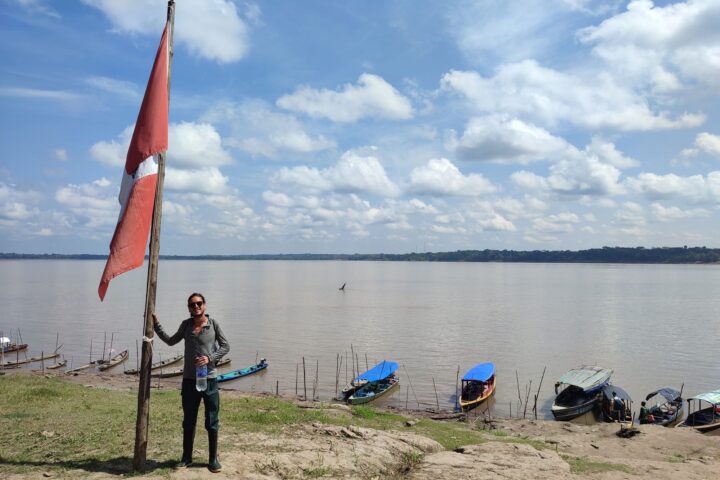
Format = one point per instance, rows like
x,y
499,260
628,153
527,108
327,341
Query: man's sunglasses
x,y
195,304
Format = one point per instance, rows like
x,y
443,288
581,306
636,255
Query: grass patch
x,y
580,465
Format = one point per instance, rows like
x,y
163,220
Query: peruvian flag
x,y
137,191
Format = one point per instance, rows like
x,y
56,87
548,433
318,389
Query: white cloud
x,y
40,7
60,154
258,130
203,180
661,45
506,140
352,174
371,97
196,145
584,175
494,31
708,143
115,87
606,152
210,29
549,96
631,217
94,205
695,188
669,214
440,177
190,145
22,92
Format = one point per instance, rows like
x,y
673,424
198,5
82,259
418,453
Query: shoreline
x,y
370,442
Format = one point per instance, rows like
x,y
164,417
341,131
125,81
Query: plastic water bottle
x,y
201,374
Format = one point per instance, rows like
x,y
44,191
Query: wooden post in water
x,y
367,367
296,379
57,339
317,378
538,391
457,389
90,361
337,373
104,345
304,382
143,410
277,388
527,398
437,400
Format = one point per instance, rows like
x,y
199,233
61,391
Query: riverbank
x,y
83,426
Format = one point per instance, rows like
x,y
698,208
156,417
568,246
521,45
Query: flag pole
x,y
143,410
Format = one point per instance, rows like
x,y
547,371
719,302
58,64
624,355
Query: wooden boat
x,y
179,371
14,347
374,390
159,364
243,372
56,365
666,408
610,411
704,420
31,360
116,360
477,385
379,372
582,391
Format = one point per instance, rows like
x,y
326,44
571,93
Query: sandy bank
x,y
511,449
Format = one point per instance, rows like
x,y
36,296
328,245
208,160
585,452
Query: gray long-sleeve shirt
x,y
211,342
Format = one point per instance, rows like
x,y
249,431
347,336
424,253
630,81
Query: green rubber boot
x,y
213,463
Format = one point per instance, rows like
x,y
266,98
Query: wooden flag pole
x,y
143,410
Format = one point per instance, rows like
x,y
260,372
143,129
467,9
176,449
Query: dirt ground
x,y
317,450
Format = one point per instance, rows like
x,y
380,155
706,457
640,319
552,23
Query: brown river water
x,y
655,325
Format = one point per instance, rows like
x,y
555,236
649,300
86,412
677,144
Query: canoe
x,y
57,365
666,408
609,411
704,420
374,390
179,371
477,385
116,360
379,372
31,360
159,364
80,368
582,391
243,372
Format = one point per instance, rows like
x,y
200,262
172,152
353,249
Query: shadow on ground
x,y
116,466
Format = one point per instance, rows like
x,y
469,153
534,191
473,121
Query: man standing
x,y
205,344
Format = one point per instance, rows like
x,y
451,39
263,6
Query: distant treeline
x,y
593,255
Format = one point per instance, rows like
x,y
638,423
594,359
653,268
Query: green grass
x,y
53,425
581,465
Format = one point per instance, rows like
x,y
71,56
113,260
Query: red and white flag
x,y
137,192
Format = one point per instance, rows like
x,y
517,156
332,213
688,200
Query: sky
x,y
335,126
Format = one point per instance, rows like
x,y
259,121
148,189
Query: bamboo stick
x,y
304,381
411,386
437,400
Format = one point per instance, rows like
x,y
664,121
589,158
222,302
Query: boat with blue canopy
x,y
704,420
665,407
243,372
579,390
477,385
377,373
374,383
616,405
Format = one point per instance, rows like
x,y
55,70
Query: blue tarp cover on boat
x,y
587,378
481,372
712,397
379,372
608,391
670,394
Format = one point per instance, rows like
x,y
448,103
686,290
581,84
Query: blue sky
x,y
342,127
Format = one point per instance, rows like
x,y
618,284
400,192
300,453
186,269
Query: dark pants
x,y
191,403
